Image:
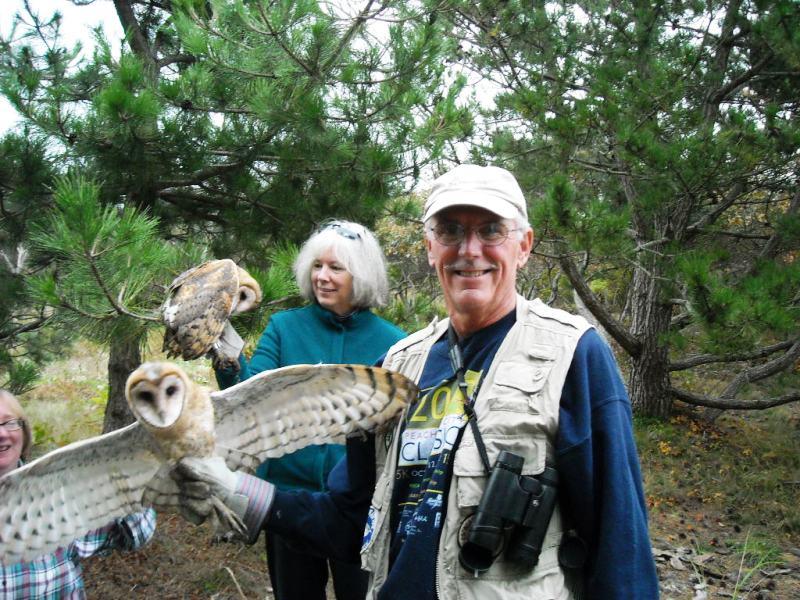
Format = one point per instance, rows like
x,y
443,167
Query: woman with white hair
x,y
341,271
59,574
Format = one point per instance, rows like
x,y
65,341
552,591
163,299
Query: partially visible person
x,y
341,271
58,575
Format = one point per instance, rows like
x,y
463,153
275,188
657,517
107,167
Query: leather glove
x,y
202,479
208,487
227,348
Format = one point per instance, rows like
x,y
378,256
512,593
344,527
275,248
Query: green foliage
x,y
642,143
106,259
412,312
757,554
21,374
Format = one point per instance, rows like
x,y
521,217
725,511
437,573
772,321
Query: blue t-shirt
x,y
431,431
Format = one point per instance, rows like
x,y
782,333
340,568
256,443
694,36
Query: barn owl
x,y
84,485
199,303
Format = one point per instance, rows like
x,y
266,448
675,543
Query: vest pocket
x,y
518,386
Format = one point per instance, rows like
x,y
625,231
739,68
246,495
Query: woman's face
x,y
10,441
332,284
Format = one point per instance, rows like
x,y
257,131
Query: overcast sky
x,y
77,25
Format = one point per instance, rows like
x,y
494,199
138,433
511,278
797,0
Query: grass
x,y
756,554
747,468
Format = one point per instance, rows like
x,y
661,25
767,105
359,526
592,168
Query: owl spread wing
x,y
198,304
280,411
73,490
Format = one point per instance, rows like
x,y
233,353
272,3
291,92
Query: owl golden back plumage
x,y
198,305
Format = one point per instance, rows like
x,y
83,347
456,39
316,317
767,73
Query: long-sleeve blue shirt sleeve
x,y
330,523
602,493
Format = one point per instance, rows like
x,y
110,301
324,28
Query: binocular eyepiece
x,y
512,516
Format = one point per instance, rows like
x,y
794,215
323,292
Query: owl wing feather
x,y
67,493
199,302
280,411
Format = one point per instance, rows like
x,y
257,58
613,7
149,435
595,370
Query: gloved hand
x,y
227,348
208,487
207,484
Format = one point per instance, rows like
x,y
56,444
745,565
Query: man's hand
x,y
208,487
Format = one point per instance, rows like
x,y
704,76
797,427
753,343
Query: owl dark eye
x,y
171,390
146,396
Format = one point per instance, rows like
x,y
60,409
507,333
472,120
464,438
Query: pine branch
x,y
765,370
199,176
117,306
711,217
186,59
707,359
615,329
771,247
357,23
276,36
33,326
133,32
732,404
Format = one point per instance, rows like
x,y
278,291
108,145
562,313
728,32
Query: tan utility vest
x,y
517,409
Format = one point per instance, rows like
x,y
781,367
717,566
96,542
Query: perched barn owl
x,y
198,305
75,489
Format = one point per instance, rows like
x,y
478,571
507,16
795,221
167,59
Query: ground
x,y
182,563
722,500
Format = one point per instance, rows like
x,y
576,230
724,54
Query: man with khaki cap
x,y
515,473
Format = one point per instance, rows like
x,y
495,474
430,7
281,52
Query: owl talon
x,y
229,524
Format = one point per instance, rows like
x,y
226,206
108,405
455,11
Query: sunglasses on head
x,y
342,230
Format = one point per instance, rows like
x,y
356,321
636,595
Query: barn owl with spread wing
x,y
70,491
197,308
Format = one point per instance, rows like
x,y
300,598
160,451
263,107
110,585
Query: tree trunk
x,y
123,357
649,383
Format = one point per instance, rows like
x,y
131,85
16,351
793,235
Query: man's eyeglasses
x,y
449,233
12,424
342,230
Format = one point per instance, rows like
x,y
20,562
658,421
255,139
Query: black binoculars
x,y
512,516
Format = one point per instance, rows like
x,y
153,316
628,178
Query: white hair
x,y
358,250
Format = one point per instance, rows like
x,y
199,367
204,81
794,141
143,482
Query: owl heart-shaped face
x,y
156,395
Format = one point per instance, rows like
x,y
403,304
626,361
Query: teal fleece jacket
x,y
312,335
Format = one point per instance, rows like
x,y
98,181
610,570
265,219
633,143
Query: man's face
x,y
478,280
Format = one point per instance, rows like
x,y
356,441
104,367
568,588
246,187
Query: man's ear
x,y
429,248
525,247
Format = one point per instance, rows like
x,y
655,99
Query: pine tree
x,y
658,145
238,126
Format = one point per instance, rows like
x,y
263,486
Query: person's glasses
x,y
11,424
342,230
452,234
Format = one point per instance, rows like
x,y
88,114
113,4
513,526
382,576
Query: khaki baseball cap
x,y
491,188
